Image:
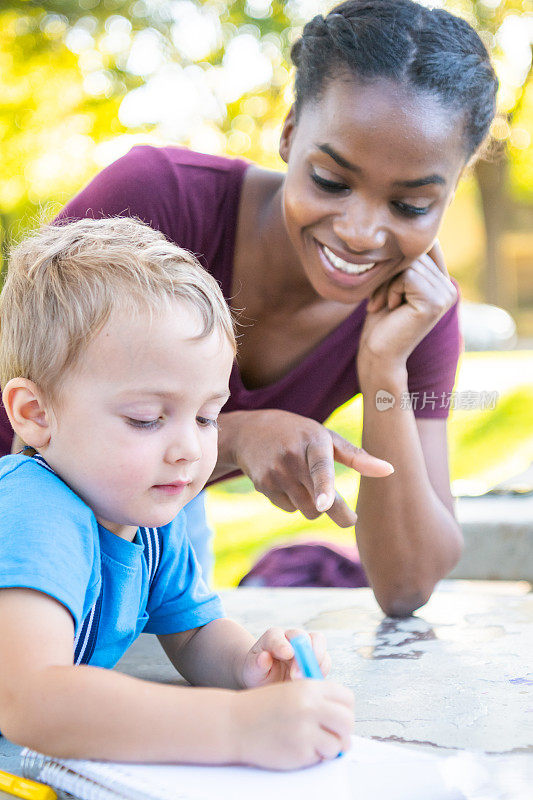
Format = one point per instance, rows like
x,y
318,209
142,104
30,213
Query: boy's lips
x,y
172,488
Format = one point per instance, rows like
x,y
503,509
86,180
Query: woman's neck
x,y
267,270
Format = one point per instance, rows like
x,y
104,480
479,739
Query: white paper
x,y
371,770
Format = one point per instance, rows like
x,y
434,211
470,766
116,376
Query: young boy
x,y
115,354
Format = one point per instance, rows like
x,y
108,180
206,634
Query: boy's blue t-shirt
x,y
50,541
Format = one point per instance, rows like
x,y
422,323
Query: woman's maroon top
x,y
193,199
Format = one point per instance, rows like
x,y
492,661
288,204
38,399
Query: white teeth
x,y
345,266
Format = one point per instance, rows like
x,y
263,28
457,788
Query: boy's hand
x,y
271,659
291,725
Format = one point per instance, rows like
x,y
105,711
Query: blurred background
x,y
82,81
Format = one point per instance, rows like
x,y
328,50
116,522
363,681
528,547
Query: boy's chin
x,y
161,519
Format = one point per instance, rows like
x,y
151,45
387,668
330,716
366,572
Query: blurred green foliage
x,y
76,74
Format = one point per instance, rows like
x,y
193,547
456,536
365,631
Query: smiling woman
x,y
338,276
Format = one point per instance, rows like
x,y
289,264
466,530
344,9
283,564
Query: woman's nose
x,y
185,445
361,226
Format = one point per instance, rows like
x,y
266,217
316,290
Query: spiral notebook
x,y
370,770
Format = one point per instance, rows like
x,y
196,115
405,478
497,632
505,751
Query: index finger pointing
x,y
321,466
357,458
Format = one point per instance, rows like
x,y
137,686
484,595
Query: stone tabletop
x,y
458,674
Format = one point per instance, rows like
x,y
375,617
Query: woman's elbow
x,y
408,593
402,602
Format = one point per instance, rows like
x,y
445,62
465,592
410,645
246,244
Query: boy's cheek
x,y
209,461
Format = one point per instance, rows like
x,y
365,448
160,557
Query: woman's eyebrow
x,y
414,184
421,182
341,161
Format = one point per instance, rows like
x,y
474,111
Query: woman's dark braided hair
x,y
400,40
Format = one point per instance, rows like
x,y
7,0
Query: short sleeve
x,y
432,368
47,536
179,598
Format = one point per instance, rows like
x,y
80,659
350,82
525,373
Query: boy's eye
x,y
205,422
410,211
144,424
328,186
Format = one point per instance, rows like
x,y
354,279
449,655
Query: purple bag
x,y
312,564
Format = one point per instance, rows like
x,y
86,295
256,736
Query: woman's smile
x,y
355,267
349,273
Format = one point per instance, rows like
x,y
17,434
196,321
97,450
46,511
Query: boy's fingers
x,y
292,632
318,640
295,673
339,694
329,745
276,642
319,643
264,660
325,664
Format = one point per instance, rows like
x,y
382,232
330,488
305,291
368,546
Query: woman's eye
x,y
205,422
410,211
328,186
144,424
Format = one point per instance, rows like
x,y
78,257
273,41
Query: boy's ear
x,y
26,411
286,135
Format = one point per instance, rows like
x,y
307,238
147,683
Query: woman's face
x,y
371,170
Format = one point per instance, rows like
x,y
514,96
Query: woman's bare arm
x,y
407,534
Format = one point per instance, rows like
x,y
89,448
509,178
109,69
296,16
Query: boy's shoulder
x,y
21,467
48,536
31,482
13,463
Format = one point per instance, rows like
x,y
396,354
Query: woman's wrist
x,y
376,374
233,430
229,424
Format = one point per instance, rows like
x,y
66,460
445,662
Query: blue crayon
x,y
305,657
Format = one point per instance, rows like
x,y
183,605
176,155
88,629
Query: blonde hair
x,y
64,281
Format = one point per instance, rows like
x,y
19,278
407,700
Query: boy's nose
x,y
185,446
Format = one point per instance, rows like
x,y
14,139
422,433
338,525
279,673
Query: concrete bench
x,y
498,533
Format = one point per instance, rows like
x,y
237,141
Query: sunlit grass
x,y
486,446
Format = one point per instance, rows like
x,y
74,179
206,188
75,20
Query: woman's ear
x,y
286,135
27,412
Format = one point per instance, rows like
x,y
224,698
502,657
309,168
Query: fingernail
x,y
322,502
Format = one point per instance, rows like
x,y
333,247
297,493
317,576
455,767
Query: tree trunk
x,y
492,181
